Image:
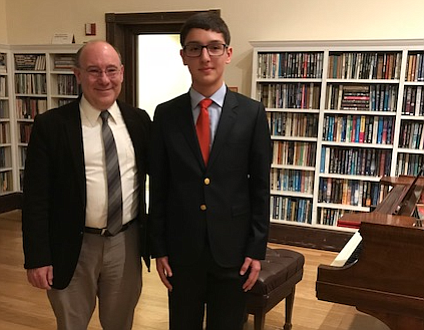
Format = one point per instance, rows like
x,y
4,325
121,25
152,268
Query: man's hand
x,y
41,278
255,267
164,271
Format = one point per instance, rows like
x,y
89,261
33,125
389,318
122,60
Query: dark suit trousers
x,y
206,284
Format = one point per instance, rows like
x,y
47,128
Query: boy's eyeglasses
x,y
195,50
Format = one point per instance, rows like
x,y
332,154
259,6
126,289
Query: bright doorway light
x,y
161,73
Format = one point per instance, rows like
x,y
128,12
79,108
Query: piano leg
x,y
396,321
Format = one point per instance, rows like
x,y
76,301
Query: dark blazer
x,y
53,214
234,187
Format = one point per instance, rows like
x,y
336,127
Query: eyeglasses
x,y
95,72
195,50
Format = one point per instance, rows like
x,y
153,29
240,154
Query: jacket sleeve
x,y
259,187
35,211
158,187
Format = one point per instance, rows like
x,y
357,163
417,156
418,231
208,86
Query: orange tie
x,y
203,128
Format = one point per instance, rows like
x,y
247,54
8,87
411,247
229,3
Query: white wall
x,y
34,22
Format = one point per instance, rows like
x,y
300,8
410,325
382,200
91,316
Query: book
x,y
362,130
418,101
380,130
358,129
3,63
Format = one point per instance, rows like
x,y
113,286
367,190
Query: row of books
x,y
364,161
64,61
359,129
6,182
30,62
349,192
411,135
4,109
5,160
294,153
67,85
294,95
409,164
3,88
290,65
3,68
364,65
23,155
293,124
292,180
4,132
291,209
413,101
329,217
415,67
30,83
28,108
24,132
378,97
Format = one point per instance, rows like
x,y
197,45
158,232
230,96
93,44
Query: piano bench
x,y
281,270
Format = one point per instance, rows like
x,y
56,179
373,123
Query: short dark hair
x,y
205,21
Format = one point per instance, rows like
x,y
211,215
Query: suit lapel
x,y
226,122
74,133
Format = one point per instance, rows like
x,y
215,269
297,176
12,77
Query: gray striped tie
x,y
114,191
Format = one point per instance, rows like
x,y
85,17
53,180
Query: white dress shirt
x,y
95,166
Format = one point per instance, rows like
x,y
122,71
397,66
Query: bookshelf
x,y
7,141
64,88
411,138
37,78
342,114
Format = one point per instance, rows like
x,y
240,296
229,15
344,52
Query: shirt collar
x,y
218,97
93,114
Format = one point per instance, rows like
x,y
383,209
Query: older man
x,y
84,203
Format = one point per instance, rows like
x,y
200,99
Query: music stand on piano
x,y
401,200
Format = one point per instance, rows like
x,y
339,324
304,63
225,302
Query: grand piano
x,y
380,271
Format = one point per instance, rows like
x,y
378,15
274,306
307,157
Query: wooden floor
x,y
23,307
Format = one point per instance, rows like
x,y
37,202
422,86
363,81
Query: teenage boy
x,y
209,202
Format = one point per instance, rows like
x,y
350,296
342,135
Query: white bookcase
x,y
342,114
8,179
37,78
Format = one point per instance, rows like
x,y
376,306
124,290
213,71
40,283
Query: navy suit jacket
x,y
234,186
53,215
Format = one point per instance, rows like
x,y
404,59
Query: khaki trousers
x,y
108,271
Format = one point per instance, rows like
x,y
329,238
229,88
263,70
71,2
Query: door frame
x,y
122,30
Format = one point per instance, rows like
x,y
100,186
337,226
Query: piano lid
x,y
379,218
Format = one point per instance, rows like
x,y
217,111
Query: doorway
x,y
161,74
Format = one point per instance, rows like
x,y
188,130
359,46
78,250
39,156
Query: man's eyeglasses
x,y
195,50
95,72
